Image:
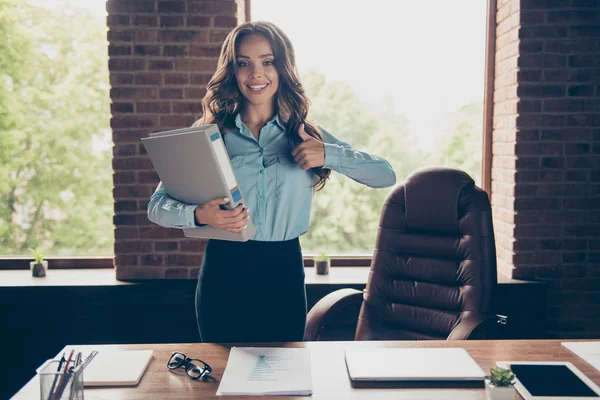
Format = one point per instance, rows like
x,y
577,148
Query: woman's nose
x,y
256,73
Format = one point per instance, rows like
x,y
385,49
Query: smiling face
x,y
255,72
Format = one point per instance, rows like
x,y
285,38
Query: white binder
x,y
194,168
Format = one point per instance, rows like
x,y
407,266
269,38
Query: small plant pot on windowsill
x,y
322,267
493,392
38,269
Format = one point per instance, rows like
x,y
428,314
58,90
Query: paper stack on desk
x,y
267,371
589,351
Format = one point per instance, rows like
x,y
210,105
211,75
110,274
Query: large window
x,y
55,151
401,79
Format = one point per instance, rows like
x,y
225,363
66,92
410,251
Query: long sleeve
x,y
168,212
360,166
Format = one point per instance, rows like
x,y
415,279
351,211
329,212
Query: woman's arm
x,y
364,168
170,213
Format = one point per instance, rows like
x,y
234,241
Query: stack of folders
x,y
194,168
267,371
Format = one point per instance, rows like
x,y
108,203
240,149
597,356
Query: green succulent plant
x,y
322,256
38,255
501,377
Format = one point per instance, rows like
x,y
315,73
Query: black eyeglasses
x,y
195,368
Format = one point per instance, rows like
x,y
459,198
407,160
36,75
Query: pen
x,y
62,360
63,377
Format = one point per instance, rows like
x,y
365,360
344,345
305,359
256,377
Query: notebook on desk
x,y
412,364
117,368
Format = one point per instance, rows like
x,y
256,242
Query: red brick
x,y
171,7
125,205
200,79
117,79
177,273
175,51
196,64
154,107
133,121
126,232
133,93
147,50
116,108
130,6
128,135
145,21
154,260
124,247
120,150
113,21
205,51
155,65
173,36
153,232
195,245
212,8
123,177
119,50
165,246
198,21
171,93
148,78
218,36
145,36
176,79
119,35
225,22
187,107
126,260
131,191
177,120
195,93
148,177
169,21
126,64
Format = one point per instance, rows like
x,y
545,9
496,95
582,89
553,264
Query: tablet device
x,y
545,380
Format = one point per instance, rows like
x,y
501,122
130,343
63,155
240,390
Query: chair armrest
x,y
478,326
327,308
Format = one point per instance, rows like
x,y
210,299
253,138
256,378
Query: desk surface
x,y
330,377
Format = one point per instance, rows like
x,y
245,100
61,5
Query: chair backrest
x,y
434,261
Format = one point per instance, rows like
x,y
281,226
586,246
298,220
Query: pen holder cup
x,y
56,385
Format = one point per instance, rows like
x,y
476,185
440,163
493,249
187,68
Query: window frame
x,y
22,263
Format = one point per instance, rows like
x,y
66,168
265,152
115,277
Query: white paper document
x,y
267,371
588,351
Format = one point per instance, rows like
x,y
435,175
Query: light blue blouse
x,y
278,194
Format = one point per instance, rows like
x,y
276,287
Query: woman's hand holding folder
x,y
210,213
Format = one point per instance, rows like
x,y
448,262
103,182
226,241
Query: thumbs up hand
x,y
310,153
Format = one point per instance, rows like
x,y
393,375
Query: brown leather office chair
x,y
434,266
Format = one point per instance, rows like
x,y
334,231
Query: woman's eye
x,y
242,64
269,62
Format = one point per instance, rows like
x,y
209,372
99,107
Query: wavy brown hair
x,y
223,99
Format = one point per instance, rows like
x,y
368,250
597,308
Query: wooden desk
x,y
330,378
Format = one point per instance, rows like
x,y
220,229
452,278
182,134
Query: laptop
x,y
412,364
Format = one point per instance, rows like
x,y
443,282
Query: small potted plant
x,y
322,263
500,384
39,266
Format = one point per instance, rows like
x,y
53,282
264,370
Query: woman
x,y
254,291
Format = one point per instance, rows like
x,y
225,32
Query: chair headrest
x,y
431,198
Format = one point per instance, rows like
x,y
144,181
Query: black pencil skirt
x,y
251,292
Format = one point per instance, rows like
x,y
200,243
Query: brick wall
x,y
546,161
161,55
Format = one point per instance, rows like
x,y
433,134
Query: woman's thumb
x,y
302,133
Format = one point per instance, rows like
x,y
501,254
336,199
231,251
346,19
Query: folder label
x,y
236,196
